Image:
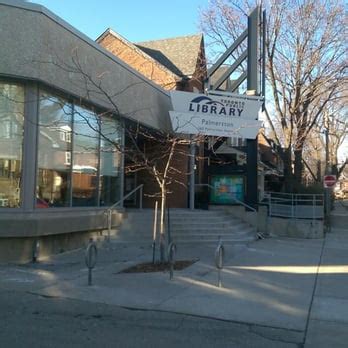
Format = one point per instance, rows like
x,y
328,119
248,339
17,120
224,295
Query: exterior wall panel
x,y
37,45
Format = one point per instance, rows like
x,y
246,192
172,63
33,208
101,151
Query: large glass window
x,y
78,158
11,144
85,157
54,152
110,161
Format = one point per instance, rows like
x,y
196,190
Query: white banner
x,y
218,104
207,124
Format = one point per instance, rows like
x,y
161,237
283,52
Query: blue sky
x,y
136,20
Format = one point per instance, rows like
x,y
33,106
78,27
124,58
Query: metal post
x,y
219,260
91,258
168,225
171,256
192,174
327,208
253,50
122,169
154,233
327,190
141,197
253,85
109,223
264,23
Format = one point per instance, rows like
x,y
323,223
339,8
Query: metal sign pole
x,y
154,233
192,174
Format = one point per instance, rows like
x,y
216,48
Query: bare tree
x,y
158,153
306,67
337,129
321,150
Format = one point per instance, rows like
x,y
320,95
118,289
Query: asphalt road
x,y
29,320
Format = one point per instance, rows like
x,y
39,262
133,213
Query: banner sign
x,y
227,188
217,104
217,114
205,124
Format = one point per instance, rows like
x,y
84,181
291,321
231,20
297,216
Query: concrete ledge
x,y
54,222
283,227
56,231
20,250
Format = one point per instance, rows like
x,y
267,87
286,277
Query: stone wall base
x,y
21,249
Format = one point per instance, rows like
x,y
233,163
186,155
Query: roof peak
x,y
171,38
110,31
178,55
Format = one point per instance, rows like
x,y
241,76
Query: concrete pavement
x,y
295,288
328,321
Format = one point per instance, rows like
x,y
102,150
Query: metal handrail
x,y
235,199
140,187
294,205
109,210
292,194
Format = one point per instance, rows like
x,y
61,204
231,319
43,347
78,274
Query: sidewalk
x,y
274,284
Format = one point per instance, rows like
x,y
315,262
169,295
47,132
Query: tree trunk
x,y
288,176
334,164
298,167
319,174
162,224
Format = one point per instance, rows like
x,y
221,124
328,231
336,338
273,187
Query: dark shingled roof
x,y
179,54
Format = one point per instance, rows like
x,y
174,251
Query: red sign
x,y
329,181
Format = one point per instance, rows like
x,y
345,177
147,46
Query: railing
x,y
109,210
295,206
235,199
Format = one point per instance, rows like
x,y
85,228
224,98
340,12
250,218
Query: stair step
x,y
205,229
236,224
187,226
209,235
214,241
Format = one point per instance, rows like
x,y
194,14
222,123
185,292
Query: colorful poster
x,y
227,188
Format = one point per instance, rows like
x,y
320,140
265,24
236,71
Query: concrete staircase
x,y
186,226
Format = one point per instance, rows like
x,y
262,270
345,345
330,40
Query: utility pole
x,y
327,190
253,85
327,144
192,174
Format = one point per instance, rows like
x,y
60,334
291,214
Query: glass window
x,y
85,157
11,143
54,166
78,160
110,161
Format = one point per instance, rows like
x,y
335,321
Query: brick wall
x,y
139,61
178,196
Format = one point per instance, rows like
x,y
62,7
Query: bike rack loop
x,y
219,260
91,255
171,258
